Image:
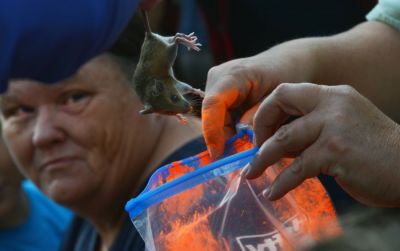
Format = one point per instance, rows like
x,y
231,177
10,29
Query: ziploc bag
x,y
194,204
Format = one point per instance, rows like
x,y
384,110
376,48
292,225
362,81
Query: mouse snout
x,y
185,106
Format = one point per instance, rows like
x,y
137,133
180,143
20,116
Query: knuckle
x,y
210,102
301,168
308,168
347,89
297,165
240,66
282,135
336,145
341,103
281,90
346,93
228,69
333,169
213,72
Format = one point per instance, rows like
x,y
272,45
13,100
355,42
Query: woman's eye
x,y
76,97
18,111
75,100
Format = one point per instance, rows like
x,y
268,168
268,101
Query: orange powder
x,y
182,203
193,236
188,228
178,170
204,158
314,200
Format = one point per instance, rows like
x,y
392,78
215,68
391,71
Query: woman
x,y
83,142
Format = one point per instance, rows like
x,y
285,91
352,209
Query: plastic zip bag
x,y
193,205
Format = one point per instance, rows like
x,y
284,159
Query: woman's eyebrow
x,y
7,99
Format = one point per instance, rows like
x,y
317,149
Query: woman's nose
x,y
47,129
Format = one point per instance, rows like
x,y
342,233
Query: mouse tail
x,y
146,21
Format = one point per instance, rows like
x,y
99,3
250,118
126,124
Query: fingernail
x,y
267,193
241,126
271,193
212,152
245,170
249,171
254,140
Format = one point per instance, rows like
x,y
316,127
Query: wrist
x,y
297,60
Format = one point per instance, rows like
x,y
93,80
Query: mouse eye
x,y
174,98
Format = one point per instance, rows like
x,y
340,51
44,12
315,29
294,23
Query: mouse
x,y
154,80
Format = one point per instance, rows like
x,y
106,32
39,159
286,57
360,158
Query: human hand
x,y
340,133
148,4
239,85
232,88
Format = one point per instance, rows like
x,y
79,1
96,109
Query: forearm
x,y
366,57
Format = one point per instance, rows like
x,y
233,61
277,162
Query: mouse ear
x,y
183,88
157,88
147,109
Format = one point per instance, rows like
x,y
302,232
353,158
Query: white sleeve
x,y
386,11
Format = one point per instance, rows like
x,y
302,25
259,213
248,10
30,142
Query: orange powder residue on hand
x,y
214,113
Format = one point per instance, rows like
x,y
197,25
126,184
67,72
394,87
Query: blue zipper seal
x,y
146,199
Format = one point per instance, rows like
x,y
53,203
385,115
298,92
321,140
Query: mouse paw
x,y
190,41
198,92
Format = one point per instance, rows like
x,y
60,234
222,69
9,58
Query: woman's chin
x,y
68,194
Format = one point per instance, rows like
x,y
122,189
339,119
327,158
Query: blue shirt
x,y
49,40
44,227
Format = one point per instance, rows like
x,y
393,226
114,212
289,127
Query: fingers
x,y
286,99
289,139
232,86
309,164
214,111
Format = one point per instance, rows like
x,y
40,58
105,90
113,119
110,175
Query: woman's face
x,y
78,138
